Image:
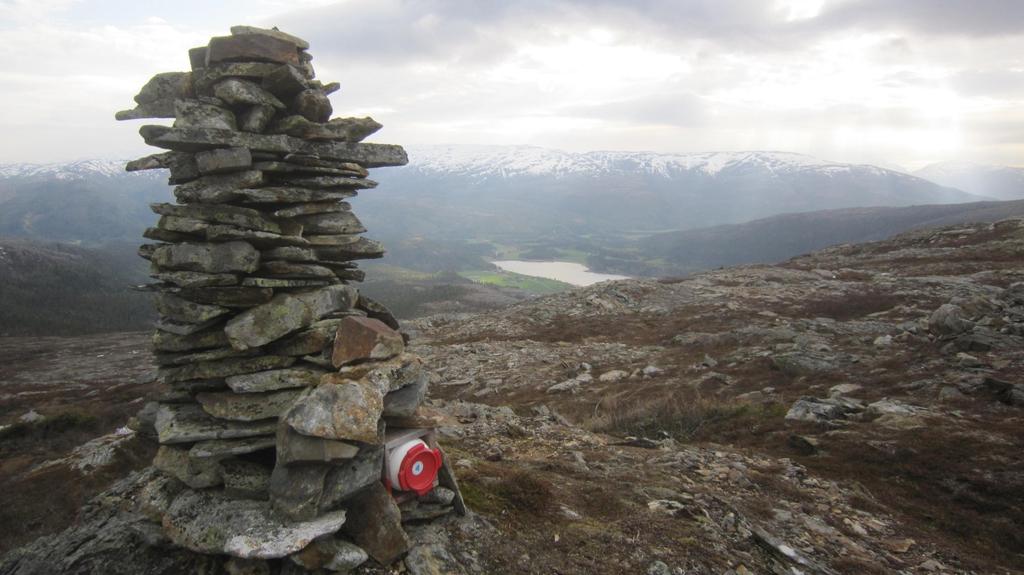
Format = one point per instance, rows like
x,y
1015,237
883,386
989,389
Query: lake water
x,y
568,272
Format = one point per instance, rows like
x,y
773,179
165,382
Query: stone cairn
x,y
283,378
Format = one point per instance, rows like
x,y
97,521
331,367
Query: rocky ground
x,y
856,410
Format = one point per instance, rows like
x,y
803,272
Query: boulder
x,y
948,320
804,362
362,338
286,313
822,410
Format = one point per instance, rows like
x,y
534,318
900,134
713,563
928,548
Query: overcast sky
x,y
892,82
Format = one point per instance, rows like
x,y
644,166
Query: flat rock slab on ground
x,y
208,522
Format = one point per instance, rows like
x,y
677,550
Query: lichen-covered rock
x,y
247,406
209,522
209,258
294,447
332,554
187,423
361,338
376,525
337,409
180,310
286,313
275,379
223,368
313,105
201,114
223,160
197,473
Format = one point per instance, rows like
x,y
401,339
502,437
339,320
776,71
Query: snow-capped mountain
x,y
66,170
487,193
999,182
516,161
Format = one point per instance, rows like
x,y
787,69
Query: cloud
x,y
941,17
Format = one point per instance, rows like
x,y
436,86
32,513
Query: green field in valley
x,y
513,280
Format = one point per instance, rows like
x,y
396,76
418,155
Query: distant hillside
x,y
777,238
58,289
456,207
998,182
515,193
91,202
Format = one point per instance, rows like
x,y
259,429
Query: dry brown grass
x,y
844,307
696,419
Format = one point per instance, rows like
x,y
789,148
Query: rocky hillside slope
x,y
855,410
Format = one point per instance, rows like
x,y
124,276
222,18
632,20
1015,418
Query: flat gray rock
x,y
290,195
293,447
196,473
247,406
208,258
224,368
223,160
294,377
198,114
181,310
198,139
315,339
332,223
217,188
286,313
185,423
194,279
208,522
340,129
169,342
243,92
218,448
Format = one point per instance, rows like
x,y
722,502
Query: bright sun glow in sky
x,y
894,82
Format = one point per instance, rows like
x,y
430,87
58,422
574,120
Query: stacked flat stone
x,y
283,376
